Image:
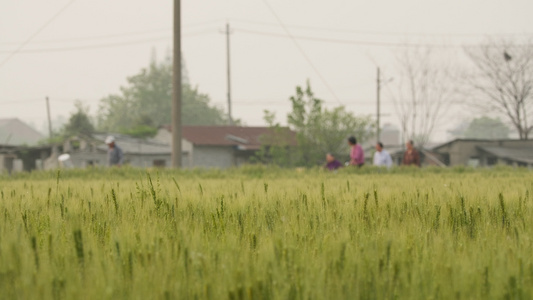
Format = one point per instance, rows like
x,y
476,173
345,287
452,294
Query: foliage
x,y
287,235
147,101
79,122
140,131
320,130
486,128
503,82
277,146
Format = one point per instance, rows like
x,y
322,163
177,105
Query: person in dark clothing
x,y
332,163
114,153
411,156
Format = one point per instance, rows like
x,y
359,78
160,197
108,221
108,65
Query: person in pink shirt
x,y
357,156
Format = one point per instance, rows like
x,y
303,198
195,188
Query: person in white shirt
x,y
382,157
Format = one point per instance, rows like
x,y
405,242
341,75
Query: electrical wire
x,y
381,33
114,35
302,52
245,31
352,42
36,33
283,103
96,37
52,100
110,45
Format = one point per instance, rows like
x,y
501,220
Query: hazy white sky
x,y
88,51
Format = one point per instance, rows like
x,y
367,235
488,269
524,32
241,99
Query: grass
x,y
267,233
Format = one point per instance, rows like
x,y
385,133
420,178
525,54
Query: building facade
x,y
484,153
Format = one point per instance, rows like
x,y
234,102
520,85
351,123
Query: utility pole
x,y
49,118
378,130
176,89
230,119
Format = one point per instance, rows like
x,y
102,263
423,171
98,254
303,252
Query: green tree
x,y
146,102
319,130
79,122
275,146
486,128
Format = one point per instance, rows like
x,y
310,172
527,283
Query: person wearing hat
x,y
114,153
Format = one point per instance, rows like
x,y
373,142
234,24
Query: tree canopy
x,y
79,122
486,128
146,101
318,130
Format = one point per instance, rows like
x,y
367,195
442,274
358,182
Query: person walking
x,y
382,157
357,156
411,156
114,153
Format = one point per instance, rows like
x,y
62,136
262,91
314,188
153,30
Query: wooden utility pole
x,y
230,119
378,130
176,90
49,118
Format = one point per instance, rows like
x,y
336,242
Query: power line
x,y
382,33
342,41
110,45
107,45
18,102
37,32
246,31
302,51
112,35
95,37
26,101
371,43
349,102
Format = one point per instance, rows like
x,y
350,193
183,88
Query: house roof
x,y
130,145
246,138
439,146
518,154
15,132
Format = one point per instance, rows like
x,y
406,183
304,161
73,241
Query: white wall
x,y
213,157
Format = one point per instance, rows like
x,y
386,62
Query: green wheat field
x,y
267,233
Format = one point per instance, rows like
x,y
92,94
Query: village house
x,y
91,150
219,146
484,153
14,132
202,147
19,150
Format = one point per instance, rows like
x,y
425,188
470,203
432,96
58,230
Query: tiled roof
x,y
246,138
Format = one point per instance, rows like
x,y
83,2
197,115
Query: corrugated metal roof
x,y
130,145
461,140
518,154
